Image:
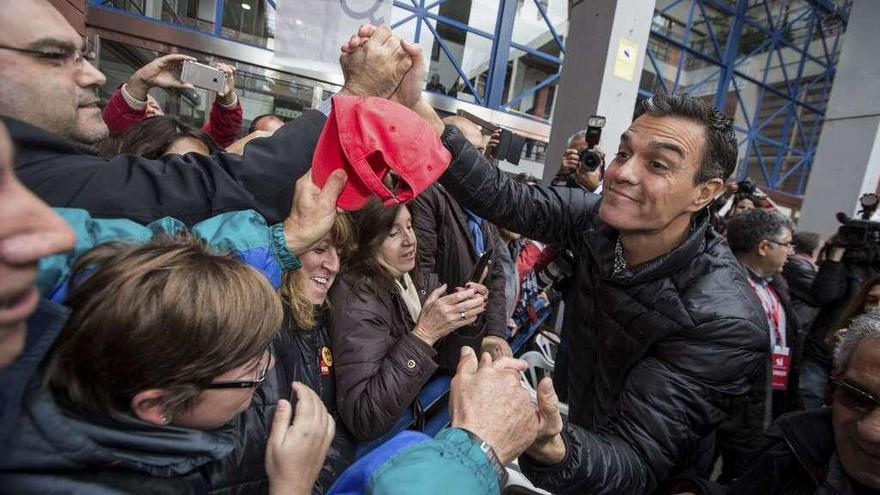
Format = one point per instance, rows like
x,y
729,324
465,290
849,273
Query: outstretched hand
x,y
161,72
486,398
313,211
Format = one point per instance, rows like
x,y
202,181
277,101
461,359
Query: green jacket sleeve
x,y
450,463
242,233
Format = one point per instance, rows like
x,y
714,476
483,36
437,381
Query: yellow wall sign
x,y
625,62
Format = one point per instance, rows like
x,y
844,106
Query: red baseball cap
x,y
370,136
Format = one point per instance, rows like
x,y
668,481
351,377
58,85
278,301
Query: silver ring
x,y
463,316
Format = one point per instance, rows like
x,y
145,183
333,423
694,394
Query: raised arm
x,y
551,215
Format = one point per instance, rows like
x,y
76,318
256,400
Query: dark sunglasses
x,y
261,376
853,397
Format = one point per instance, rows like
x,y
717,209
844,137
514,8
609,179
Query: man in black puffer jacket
x,y
669,334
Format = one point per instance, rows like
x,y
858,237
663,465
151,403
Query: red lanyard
x,y
772,307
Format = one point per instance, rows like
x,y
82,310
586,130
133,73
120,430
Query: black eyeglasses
x,y
853,397
57,56
261,375
788,245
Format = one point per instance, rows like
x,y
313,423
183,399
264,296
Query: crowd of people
x,y
193,309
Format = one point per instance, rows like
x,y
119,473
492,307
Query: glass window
x,y
457,40
533,61
197,14
249,21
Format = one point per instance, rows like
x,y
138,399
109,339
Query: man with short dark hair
x,y
670,331
762,241
571,174
268,122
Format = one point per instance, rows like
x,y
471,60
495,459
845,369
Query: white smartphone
x,y
203,76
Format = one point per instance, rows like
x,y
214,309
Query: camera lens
x,y
590,160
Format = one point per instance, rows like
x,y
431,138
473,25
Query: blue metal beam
x,y
530,91
500,52
537,53
442,43
687,35
219,5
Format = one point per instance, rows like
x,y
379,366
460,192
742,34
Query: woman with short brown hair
x,y
164,347
175,322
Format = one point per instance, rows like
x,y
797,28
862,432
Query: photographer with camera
x,y
583,163
851,258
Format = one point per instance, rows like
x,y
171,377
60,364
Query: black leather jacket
x,y
661,353
835,285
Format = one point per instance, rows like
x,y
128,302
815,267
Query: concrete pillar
x,y
588,84
847,161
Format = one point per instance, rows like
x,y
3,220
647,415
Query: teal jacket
x,y
243,233
413,463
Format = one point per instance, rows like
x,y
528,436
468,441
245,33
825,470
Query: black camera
x,y
591,159
509,147
746,187
561,268
860,236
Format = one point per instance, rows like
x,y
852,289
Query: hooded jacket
x,y
57,450
659,354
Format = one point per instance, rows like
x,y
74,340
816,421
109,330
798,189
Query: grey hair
x,y
866,325
581,134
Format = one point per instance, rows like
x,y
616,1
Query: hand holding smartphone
x,y
203,76
484,262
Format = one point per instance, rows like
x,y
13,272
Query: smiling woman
x,y
303,350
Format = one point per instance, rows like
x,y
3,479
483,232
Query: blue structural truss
x,y
769,63
772,64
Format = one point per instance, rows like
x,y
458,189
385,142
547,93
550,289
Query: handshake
x,y
377,63
487,399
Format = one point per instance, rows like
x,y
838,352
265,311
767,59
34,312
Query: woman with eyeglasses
x,y
386,320
164,347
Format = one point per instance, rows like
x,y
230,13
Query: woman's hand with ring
x,y
441,315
